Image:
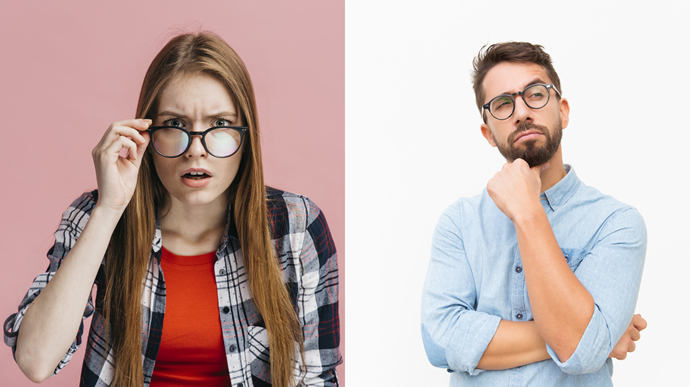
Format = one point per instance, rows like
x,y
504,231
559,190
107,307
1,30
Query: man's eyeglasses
x,y
535,96
219,141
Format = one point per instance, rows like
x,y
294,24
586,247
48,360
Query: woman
x,y
199,267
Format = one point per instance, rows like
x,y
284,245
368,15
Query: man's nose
x,y
522,112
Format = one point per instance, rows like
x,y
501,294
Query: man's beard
x,y
529,151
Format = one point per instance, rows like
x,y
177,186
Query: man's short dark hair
x,y
520,52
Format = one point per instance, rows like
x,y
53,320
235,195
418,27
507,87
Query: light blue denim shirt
x,y
475,279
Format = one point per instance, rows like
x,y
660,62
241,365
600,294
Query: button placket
x,y
519,289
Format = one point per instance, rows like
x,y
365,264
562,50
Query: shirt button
x,y
518,269
233,348
519,316
240,385
567,260
222,272
226,309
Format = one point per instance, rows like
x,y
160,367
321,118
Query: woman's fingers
x,y
142,147
134,130
108,152
127,128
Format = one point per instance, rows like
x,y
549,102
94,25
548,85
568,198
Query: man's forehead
x,y
511,77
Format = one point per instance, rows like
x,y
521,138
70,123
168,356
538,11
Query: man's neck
x,y
554,173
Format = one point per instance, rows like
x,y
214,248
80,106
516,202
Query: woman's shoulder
x,y
291,204
292,213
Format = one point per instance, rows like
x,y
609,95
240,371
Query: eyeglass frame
x,y
241,129
548,86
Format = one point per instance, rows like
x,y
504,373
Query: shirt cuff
x,y
471,342
592,350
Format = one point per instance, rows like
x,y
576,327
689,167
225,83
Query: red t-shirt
x,y
191,350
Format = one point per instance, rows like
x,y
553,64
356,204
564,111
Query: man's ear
x,y
486,132
564,108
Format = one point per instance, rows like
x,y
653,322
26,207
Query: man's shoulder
x,y
480,203
594,201
471,211
589,213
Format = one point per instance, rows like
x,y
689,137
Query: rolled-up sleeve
x,y
611,272
74,220
454,334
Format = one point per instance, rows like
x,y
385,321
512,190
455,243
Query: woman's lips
x,y
196,177
196,182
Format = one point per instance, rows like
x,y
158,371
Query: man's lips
x,y
527,135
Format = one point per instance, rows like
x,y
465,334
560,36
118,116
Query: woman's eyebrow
x,y
212,115
172,114
222,114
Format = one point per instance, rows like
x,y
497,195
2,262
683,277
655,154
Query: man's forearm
x,y
562,307
515,343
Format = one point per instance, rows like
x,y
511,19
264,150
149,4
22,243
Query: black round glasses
x,y
536,96
219,141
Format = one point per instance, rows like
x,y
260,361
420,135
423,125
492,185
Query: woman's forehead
x,y
196,94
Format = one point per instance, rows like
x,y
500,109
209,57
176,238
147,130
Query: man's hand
x,y
516,187
627,342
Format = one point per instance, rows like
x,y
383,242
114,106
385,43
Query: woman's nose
x,y
196,148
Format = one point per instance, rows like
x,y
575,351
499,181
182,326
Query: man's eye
x,y
502,103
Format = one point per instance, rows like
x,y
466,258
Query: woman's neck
x,y
193,230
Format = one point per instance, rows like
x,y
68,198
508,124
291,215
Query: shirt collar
x,y
559,194
230,230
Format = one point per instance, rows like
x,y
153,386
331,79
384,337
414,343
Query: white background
x,y
413,146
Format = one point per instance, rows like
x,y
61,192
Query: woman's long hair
x,y
128,253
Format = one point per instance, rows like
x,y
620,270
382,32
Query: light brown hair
x,y
521,52
130,246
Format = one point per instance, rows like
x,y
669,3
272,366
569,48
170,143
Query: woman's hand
x,y
117,175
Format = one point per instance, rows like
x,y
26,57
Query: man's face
x,y
533,135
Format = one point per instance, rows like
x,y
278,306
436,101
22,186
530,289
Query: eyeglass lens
x,y
535,96
220,142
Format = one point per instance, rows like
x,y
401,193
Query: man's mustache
x,y
525,126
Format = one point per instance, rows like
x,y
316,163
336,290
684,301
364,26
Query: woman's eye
x,y
222,122
174,122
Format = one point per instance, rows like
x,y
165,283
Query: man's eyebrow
x,y
535,80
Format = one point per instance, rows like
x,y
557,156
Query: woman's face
x,y
197,102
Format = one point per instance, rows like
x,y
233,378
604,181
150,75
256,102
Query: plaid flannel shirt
x,y
307,256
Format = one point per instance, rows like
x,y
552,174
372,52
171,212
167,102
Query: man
x,y
534,281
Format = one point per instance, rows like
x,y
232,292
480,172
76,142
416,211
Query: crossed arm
x,y
561,305
517,343
568,308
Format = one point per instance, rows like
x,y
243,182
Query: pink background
x,y
68,69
